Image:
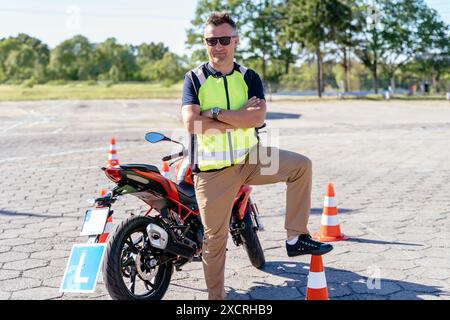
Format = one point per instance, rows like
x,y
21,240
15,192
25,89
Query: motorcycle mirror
x,y
154,137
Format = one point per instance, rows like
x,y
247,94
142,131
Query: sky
x,y
130,21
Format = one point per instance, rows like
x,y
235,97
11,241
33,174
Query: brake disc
x,y
147,274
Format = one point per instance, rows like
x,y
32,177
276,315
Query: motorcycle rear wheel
x,y
127,249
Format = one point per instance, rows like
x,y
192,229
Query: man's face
x,y
221,54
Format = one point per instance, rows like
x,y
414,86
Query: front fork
x,y
256,218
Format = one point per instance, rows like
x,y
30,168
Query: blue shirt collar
x,y
216,73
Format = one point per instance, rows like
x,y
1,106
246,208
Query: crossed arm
x,y
251,115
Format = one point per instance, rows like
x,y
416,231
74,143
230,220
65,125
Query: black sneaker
x,y
306,245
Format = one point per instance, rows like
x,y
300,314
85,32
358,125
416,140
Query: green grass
x,y
380,97
89,91
369,97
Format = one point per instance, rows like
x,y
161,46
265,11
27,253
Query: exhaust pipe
x,y
158,236
165,239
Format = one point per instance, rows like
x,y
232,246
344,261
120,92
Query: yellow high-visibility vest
x,y
217,151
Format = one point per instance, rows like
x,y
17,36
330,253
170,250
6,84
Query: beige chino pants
x,y
215,192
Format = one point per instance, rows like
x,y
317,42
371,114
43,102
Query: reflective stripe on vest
x,y
200,75
216,151
222,156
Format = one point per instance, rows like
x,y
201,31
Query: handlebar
x,y
175,155
263,126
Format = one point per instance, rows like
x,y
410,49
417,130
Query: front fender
x,y
241,200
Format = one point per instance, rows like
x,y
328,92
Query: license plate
x,y
94,221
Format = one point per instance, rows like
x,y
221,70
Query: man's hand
x,y
253,103
198,123
251,115
207,113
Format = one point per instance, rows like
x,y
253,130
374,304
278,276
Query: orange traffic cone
x,y
109,224
329,225
113,160
317,282
103,192
165,170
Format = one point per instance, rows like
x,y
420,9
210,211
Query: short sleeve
x,y
256,88
189,94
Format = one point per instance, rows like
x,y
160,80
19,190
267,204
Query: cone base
x,y
322,238
317,294
323,296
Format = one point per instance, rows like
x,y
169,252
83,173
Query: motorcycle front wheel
x,y
131,268
251,242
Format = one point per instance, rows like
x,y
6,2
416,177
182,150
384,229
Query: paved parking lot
x,y
389,162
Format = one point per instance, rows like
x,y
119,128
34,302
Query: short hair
x,y
218,18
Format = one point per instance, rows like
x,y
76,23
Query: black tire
x,y
251,242
113,270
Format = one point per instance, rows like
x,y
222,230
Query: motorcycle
x,y
144,249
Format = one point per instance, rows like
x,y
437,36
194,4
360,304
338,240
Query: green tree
x,y
346,40
300,78
147,54
434,59
285,39
370,43
23,57
396,32
261,31
168,70
42,50
73,59
405,33
3,77
114,61
317,23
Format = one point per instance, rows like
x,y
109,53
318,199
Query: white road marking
x,y
39,118
52,155
12,127
61,168
57,130
143,130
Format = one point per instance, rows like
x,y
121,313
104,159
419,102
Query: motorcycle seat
x,y
141,167
186,189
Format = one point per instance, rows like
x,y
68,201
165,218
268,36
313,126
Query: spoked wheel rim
x,y
140,267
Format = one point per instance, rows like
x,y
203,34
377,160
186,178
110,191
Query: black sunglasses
x,y
224,41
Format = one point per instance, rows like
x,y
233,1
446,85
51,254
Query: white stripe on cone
x,y
317,280
329,220
108,227
329,202
113,157
112,147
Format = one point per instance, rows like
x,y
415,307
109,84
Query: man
x,y
223,103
